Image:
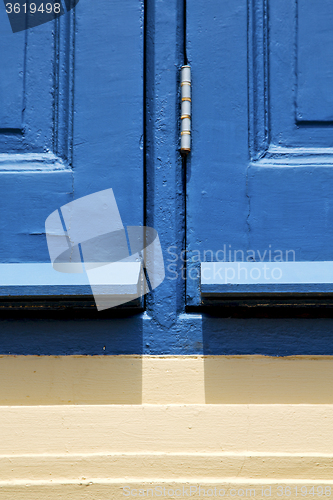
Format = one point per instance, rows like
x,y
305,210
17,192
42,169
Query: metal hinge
x,y
185,134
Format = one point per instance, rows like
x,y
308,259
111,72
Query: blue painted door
x,y
71,119
260,177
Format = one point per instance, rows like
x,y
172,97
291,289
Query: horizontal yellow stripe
x,y
213,465
52,380
71,451
184,429
96,488
55,451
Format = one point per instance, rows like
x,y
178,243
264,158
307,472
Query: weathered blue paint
x,y
217,202
109,104
192,334
11,89
314,68
225,200
260,170
75,124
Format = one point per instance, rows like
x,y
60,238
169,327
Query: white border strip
x,y
265,273
43,274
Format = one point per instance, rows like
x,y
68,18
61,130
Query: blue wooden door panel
x,y
11,87
289,73
108,104
217,202
261,164
315,67
71,119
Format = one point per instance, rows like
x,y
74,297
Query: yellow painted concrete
x,y
43,380
92,451
79,429
84,427
113,490
263,379
173,466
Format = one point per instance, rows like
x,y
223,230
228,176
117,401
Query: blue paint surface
x,y
76,99
191,334
314,67
264,178
254,178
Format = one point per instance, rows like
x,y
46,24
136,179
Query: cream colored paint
x,y
83,427
92,451
112,490
77,429
171,466
42,380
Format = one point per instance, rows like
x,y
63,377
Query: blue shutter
x,y
71,122
260,177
